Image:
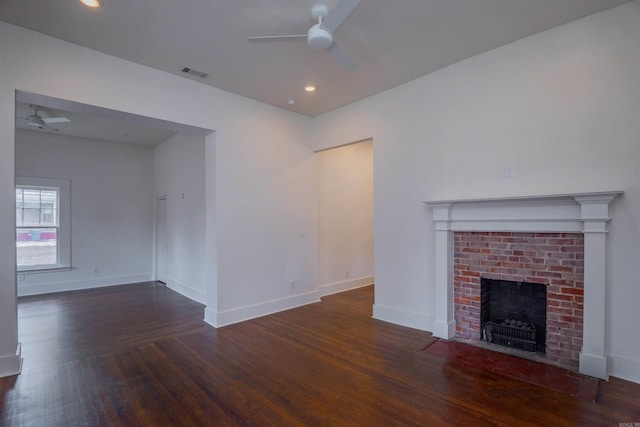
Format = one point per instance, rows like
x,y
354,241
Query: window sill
x,y
43,270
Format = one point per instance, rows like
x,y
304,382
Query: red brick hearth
x,y
555,260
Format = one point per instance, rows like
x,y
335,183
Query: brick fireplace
x,y
553,260
557,241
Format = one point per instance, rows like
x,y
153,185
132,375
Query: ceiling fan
x,y
40,122
320,36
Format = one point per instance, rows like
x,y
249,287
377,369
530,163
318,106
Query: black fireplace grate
x,y
515,331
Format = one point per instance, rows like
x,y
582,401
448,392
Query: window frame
x,y
63,234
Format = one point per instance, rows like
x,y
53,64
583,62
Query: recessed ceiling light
x,y
310,88
291,101
91,3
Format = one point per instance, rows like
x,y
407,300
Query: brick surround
x,y
555,260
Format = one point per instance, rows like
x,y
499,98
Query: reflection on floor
x,y
529,371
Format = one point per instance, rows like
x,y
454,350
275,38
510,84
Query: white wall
x,y
261,223
561,107
266,215
179,174
345,176
111,208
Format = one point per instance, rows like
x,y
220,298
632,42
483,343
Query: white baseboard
x,y
240,314
187,291
11,364
446,330
624,368
593,365
74,285
346,285
406,318
210,317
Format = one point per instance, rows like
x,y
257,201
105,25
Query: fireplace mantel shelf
x,y
530,199
571,213
586,213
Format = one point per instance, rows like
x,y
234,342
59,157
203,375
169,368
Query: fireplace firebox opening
x,y
513,314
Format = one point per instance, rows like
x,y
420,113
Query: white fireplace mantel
x,y
586,213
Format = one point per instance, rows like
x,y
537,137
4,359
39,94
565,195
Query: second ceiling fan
x,y
37,121
320,36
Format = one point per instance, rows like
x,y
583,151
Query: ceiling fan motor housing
x,y
319,39
35,120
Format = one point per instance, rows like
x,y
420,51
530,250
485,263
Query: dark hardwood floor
x,y
140,355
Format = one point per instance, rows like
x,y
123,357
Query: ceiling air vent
x,y
194,72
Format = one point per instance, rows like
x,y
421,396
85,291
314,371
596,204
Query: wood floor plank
x,y
140,355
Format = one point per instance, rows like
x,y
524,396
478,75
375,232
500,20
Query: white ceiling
x,y
392,41
82,125
91,122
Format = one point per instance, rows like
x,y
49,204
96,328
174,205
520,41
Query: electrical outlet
x,y
292,284
96,271
346,274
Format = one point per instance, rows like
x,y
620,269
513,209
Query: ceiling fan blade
x,y
338,15
342,56
55,120
278,38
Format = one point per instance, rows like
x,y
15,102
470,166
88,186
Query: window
x,y
42,224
